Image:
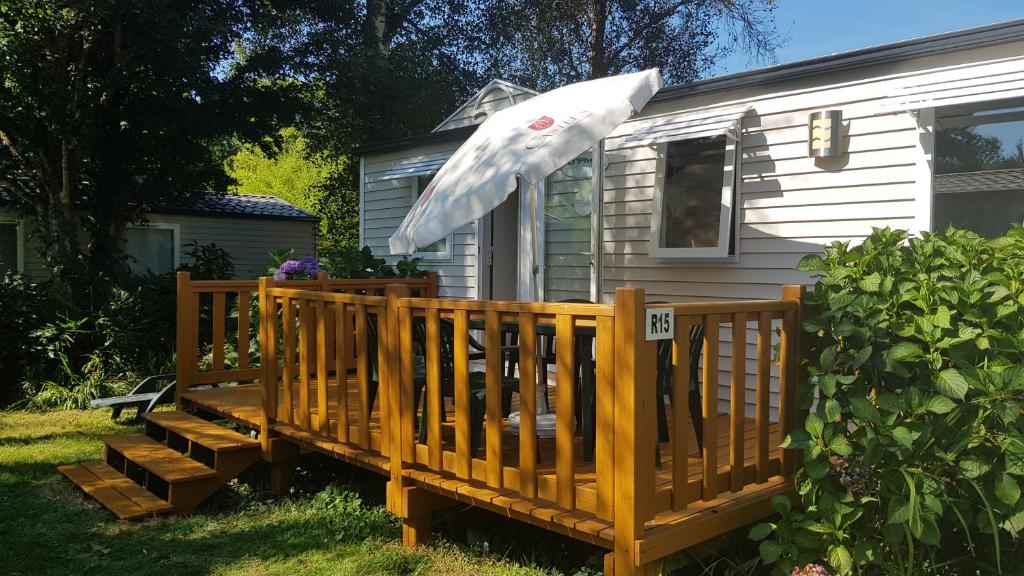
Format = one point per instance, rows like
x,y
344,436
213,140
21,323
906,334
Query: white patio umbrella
x,y
527,141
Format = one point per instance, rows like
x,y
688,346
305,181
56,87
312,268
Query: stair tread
x,y
126,499
207,434
167,463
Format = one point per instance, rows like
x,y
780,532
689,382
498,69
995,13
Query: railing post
x,y
635,430
267,372
431,285
790,353
388,337
185,344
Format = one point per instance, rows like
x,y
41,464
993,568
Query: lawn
x,y
47,527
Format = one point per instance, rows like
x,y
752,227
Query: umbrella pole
x,y
542,377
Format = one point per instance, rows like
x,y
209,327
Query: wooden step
x,y
199,431
126,499
166,463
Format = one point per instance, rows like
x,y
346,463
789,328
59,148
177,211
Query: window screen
x,y
151,250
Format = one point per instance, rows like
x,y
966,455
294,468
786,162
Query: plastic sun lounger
x,y
149,394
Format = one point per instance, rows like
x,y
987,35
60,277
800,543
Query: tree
x,y
546,44
297,175
109,108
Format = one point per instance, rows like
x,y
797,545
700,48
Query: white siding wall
x,y
386,202
248,240
790,204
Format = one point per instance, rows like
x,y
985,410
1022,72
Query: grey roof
x,y
231,205
965,39
991,180
243,205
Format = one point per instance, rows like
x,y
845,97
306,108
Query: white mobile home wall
x,y
385,203
789,205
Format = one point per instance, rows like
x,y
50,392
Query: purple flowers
x,y
297,269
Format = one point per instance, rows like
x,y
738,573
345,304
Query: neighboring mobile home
x,y
718,187
249,227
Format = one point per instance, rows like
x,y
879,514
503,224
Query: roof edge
x,y
964,39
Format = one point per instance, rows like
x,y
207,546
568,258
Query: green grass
x,y
48,527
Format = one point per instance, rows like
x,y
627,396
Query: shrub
x,y
23,309
350,262
914,450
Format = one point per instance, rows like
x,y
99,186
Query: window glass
x,y
568,202
979,171
692,193
441,246
8,247
150,250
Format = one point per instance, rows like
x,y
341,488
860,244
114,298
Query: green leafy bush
x,y
348,262
24,308
914,451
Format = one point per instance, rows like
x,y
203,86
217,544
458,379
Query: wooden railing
x,y
216,317
313,340
478,394
762,318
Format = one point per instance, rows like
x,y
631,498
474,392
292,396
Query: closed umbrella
x,y
525,142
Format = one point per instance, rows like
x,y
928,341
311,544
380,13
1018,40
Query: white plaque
x,y
660,324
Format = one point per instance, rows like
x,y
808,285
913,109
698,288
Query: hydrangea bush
x,y
914,448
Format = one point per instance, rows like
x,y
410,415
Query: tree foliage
x,y
914,455
109,108
545,44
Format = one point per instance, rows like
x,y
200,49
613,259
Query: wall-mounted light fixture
x,y
825,133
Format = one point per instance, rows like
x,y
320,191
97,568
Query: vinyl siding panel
x,y
385,204
249,241
788,204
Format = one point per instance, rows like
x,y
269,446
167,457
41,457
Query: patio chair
x,y
150,393
477,379
665,380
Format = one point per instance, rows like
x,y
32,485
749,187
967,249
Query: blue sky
x,y
825,27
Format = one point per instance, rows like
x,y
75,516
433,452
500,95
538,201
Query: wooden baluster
x,y
492,342
789,356
528,404
323,422
681,420
565,387
288,335
243,329
404,413
463,435
434,405
763,392
363,375
710,397
268,350
218,331
341,358
185,338
303,329
604,447
737,400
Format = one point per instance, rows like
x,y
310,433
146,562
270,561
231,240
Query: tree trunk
x,y
597,52
375,31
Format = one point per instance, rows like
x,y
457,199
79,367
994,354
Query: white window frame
x,y
445,255
19,235
175,234
930,122
728,221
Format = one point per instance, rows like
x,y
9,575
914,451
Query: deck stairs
x,y
180,461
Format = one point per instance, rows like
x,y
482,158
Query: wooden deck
x,y
703,520
638,497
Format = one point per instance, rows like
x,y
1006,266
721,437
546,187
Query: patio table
x,y
586,407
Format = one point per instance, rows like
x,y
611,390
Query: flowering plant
x,y
302,269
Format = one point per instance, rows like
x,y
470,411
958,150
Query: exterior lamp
x,y
825,133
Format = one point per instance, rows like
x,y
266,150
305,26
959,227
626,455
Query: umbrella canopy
x,y
527,141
